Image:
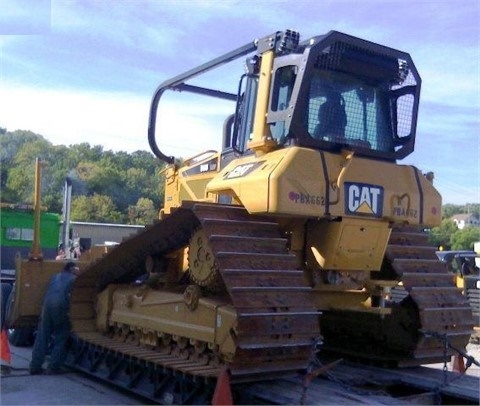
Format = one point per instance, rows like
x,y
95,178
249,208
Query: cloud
x,y
91,76
117,121
24,17
450,75
71,117
130,27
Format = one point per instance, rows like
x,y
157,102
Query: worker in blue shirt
x,y
54,322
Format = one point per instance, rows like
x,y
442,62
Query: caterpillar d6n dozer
x,y
302,229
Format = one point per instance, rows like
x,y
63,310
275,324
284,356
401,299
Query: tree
x,y
123,177
448,210
144,212
21,175
84,152
10,143
464,239
473,209
96,208
440,236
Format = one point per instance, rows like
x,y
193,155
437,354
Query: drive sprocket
x,y
203,267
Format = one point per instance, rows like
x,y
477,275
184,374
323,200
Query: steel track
x,y
427,307
277,323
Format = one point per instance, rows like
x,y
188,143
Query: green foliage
x,y
18,151
440,236
449,237
464,239
96,208
105,184
448,210
451,209
144,212
473,209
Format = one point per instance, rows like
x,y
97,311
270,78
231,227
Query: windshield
x,y
345,93
343,109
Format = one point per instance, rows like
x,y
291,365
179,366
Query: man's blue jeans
x,y
54,323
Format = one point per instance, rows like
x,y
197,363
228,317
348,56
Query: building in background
x,y
16,234
464,220
91,234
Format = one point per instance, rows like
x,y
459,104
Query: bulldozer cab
x,y
336,91
331,93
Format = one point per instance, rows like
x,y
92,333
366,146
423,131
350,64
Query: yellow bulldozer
x,y
289,239
463,266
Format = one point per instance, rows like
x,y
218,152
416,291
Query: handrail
x,y
178,83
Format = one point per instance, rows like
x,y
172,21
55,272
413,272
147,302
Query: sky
x,y
86,70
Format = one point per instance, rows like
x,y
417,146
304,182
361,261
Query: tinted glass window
x,y
343,109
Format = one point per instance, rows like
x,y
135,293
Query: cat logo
x,y
242,170
363,199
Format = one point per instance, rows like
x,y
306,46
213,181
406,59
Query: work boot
x,y
5,369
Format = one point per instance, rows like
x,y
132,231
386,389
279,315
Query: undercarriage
x,y
212,287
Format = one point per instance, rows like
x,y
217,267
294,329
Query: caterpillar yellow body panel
x,y
303,182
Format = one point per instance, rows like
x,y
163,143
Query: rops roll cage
x,y
277,40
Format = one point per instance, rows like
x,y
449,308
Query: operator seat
x,y
332,118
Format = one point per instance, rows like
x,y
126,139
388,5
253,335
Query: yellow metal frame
x,y
262,141
180,185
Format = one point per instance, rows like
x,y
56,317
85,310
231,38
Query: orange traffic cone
x,y
458,364
5,348
223,394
